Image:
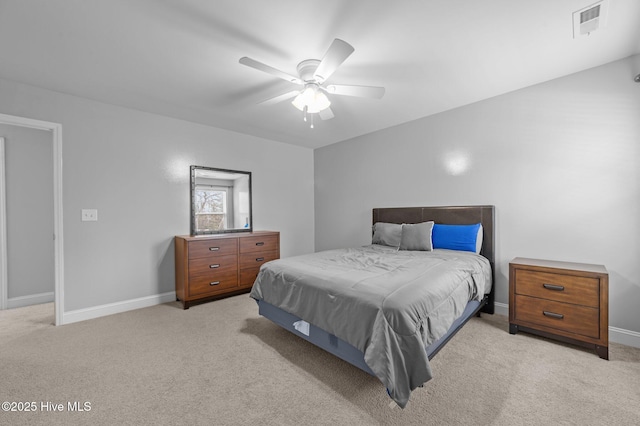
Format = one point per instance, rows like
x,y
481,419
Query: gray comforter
x,y
389,304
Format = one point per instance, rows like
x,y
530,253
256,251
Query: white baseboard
x,y
624,337
34,299
501,308
616,335
117,307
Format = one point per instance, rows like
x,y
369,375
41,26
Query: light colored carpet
x,y
220,363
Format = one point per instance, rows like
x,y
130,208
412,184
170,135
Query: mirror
x,y
220,201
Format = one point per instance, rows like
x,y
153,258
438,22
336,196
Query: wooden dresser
x,y
214,266
561,300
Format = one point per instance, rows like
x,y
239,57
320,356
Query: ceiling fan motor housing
x,y
306,70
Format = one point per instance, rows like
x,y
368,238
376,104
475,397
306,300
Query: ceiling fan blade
x,y
336,55
270,70
326,114
280,98
359,91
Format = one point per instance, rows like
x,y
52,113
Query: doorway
x,y
55,132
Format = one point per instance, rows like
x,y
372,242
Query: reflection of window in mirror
x,y
211,207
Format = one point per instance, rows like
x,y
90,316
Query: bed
x,y
389,307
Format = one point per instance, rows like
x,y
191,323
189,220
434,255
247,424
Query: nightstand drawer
x,y
560,287
580,320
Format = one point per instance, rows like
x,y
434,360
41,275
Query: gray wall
x,y
133,167
559,161
29,198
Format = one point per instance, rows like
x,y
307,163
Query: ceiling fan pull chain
x,y
304,113
312,120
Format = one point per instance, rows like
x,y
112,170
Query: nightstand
x,y
561,300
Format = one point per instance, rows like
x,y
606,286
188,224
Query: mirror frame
x,y
194,231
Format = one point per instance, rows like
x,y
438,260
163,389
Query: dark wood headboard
x,y
452,215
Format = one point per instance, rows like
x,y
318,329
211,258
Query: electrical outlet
x,y
89,215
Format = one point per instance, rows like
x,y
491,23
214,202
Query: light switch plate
x,y
89,215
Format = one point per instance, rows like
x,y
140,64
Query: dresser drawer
x,y
258,244
213,248
203,285
250,266
581,320
255,260
212,267
248,277
559,287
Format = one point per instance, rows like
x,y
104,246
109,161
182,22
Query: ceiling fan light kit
x,y
311,98
312,73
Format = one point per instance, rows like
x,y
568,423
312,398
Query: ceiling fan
x,y
312,75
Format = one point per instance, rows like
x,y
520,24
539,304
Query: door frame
x,y
58,244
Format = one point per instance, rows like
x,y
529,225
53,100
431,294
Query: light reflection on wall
x,y
177,170
456,162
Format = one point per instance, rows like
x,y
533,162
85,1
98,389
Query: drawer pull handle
x,y
259,259
553,287
552,315
214,266
261,243
214,248
214,283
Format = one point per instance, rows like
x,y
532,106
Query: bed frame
x,y
454,215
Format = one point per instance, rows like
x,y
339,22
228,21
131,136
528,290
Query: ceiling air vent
x,y
589,19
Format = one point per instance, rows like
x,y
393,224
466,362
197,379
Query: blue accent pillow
x,y
457,237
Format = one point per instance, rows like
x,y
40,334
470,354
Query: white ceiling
x,y
180,58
